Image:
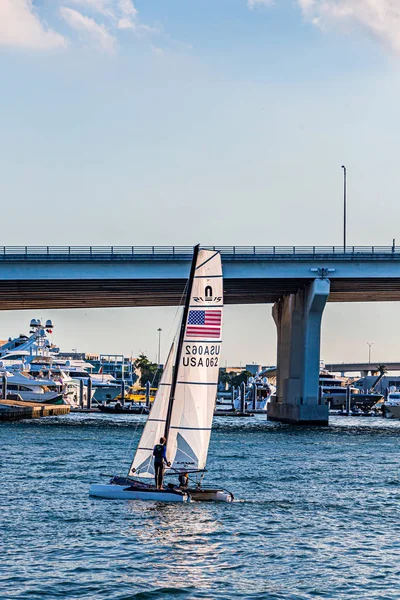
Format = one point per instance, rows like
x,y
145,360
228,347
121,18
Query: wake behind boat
x,y
183,408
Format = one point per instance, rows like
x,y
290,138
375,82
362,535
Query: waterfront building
x,y
121,367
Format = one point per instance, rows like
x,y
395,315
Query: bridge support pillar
x,y
298,321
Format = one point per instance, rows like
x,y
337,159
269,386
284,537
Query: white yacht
x,y
23,387
332,389
105,387
33,358
41,355
391,406
258,394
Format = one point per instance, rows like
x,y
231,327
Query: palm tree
x,y
149,371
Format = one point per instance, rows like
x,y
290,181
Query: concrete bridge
x,y
365,368
298,281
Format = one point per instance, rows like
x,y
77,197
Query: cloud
x,y
253,3
135,26
100,21
380,18
100,6
128,18
127,8
120,14
157,50
89,27
20,26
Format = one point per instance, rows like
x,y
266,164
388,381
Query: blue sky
x,y
224,122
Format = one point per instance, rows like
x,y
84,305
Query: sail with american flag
x,y
197,367
183,409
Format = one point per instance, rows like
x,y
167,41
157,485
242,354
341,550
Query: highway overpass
x,y
34,277
361,367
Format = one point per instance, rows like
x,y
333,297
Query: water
x,y
317,515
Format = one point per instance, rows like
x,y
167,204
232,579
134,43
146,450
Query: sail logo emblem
x,y
208,296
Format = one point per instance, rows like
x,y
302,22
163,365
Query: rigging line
x,y
141,414
173,322
181,301
129,451
208,260
182,330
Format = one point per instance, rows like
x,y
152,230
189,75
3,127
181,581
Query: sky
x,y
212,121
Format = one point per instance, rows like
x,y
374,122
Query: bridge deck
x,y
34,277
100,253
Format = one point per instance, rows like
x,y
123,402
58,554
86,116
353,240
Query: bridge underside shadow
x,y
113,293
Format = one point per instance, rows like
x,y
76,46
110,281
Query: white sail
x,y
142,464
197,376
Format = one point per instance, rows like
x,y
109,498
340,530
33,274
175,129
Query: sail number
x,y
199,355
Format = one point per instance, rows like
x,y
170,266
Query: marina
x,y
33,369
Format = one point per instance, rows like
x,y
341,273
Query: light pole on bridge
x,y
344,205
369,350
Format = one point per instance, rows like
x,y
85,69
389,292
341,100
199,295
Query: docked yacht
x,y
105,387
27,359
391,406
22,386
40,368
36,354
257,396
332,388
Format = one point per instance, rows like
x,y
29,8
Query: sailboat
x,y
183,408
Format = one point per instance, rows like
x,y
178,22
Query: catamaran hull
x,y
210,495
119,492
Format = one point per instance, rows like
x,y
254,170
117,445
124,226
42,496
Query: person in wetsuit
x,y
160,457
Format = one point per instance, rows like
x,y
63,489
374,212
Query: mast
x,y
181,338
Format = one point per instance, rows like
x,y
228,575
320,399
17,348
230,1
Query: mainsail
x,y
193,400
142,464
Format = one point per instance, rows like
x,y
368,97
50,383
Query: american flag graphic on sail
x,y
204,323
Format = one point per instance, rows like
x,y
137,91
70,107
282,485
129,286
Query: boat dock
x,y
232,413
15,410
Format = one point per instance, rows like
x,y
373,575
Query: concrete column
x,y
298,322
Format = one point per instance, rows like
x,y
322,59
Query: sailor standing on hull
x,y
160,457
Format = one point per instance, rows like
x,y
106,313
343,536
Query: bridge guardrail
x,y
38,252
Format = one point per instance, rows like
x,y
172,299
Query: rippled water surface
x,y
317,514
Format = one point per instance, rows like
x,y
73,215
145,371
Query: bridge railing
x,y
87,252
